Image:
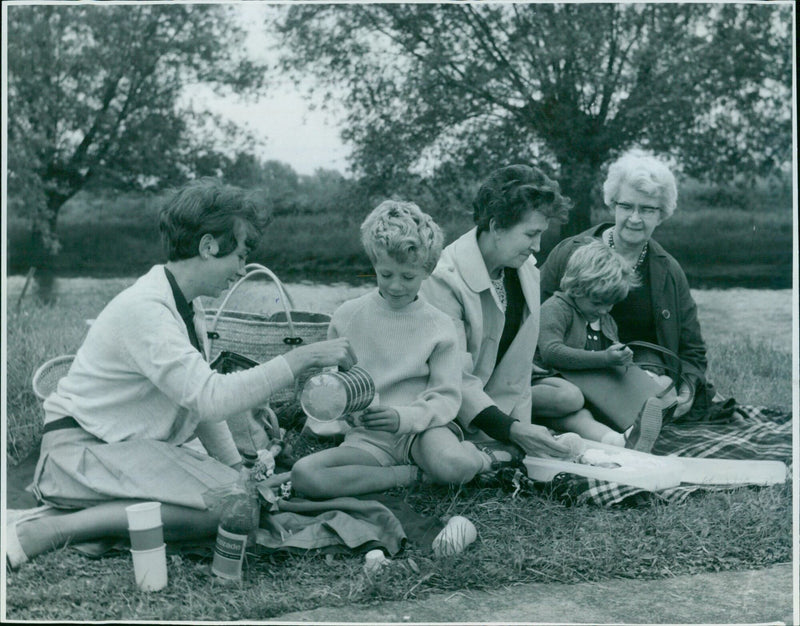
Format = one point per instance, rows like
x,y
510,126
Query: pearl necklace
x,y
643,254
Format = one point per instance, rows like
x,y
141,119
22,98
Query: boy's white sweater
x,y
410,353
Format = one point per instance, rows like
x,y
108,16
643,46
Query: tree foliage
x,y
95,98
287,193
442,93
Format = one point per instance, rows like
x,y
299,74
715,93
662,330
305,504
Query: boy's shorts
x,y
388,448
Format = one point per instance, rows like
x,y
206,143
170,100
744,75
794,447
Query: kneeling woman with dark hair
x,y
139,387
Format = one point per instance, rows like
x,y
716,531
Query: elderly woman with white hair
x,y
641,193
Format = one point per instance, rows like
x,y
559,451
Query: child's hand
x,y
381,418
619,354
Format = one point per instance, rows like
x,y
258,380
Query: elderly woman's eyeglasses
x,y
644,210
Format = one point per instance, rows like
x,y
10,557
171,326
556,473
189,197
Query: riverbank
x,y
717,247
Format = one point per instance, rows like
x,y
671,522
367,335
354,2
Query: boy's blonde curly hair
x,y
404,232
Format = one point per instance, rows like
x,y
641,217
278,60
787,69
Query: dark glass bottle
x,y
240,517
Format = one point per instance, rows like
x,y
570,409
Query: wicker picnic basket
x,y
45,379
262,337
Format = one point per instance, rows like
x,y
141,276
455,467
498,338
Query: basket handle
x,y
254,269
281,287
677,371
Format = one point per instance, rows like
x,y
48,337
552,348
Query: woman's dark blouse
x,y
492,420
634,315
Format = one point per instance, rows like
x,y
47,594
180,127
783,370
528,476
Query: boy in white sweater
x,y
410,349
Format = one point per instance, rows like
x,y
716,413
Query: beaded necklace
x,y
643,254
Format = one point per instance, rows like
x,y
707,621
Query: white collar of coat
x,y
469,260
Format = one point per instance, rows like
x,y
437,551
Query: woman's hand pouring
x,y
333,352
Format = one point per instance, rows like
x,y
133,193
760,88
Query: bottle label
x,y
228,554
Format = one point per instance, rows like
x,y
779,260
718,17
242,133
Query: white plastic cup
x,y
147,538
150,568
374,560
144,515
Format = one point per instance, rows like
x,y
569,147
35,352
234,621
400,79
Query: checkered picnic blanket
x,y
758,433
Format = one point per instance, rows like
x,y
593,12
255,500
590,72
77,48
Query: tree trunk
x,y
44,246
578,180
42,251
43,259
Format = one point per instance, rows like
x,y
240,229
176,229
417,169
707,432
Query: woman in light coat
x,y
488,283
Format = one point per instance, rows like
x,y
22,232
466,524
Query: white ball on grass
x,y
457,534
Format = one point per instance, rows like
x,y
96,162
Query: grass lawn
x,y
524,539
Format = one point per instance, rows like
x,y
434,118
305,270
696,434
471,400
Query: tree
x,y
437,91
94,98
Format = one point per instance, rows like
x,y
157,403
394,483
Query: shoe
x,y
15,555
502,454
643,434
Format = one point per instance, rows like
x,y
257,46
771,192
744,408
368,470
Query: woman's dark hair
x,y
509,193
207,206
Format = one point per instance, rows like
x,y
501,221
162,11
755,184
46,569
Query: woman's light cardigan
x,y
137,376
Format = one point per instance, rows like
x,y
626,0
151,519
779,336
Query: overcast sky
x,y
287,127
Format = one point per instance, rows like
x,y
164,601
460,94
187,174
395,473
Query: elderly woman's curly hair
x,y
647,175
509,193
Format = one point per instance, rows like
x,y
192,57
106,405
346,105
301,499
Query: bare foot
x,y
40,535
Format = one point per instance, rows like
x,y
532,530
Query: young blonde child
x,y
409,348
578,332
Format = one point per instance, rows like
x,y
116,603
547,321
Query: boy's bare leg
x,y
347,471
447,460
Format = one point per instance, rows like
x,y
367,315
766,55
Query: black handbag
x,y
617,395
